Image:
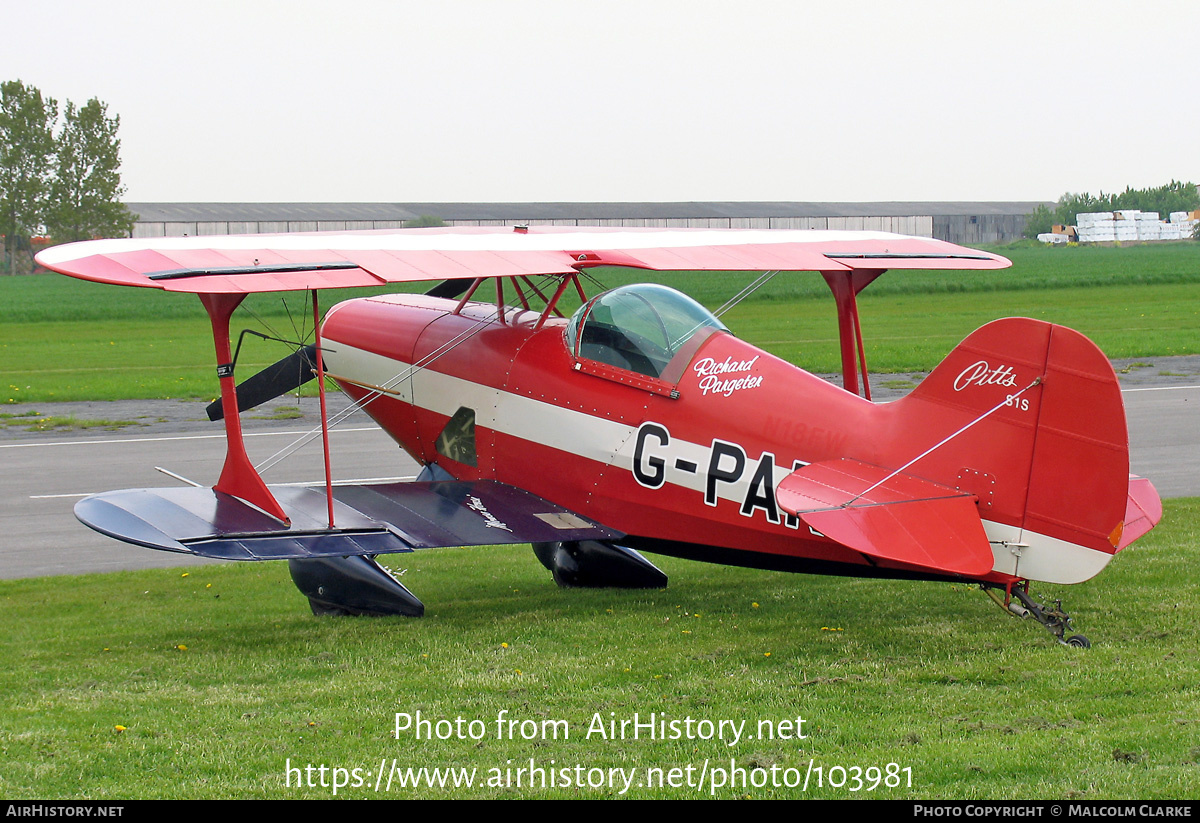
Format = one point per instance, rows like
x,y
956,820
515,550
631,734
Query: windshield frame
x,y
660,312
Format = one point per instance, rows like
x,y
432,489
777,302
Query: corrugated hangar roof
x,y
296,212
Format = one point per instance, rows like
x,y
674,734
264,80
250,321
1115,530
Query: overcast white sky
x,y
580,100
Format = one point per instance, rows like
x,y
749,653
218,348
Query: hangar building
x,y
957,222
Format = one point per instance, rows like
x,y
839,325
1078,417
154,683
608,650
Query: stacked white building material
x,y
1147,223
1096,227
1132,225
1182,222
1127,226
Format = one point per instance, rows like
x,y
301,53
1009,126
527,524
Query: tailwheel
x,y
1018,601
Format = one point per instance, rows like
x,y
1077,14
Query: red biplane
x,y
639,424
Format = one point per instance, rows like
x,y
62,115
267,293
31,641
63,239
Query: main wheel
x,y
1079,641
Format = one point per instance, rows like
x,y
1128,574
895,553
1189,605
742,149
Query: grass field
x,y
206,684
64,339
218,678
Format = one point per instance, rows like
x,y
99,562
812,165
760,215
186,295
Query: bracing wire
x,y
1008,401
425,361
448,346
358,405
752,287
746,291
264,323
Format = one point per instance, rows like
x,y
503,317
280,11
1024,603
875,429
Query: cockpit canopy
x,y
639,328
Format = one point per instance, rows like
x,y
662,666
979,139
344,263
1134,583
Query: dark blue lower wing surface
x,y
368,519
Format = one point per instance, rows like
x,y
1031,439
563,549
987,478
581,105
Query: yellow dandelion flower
x,y
181,647
766,654
754,605
185,574
504,645
118,729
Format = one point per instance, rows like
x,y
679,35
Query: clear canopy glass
x,y
639,327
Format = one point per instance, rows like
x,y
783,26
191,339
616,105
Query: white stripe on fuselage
x,y
574,432
1018,552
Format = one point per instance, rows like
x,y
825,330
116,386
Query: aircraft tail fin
x,y
1030,420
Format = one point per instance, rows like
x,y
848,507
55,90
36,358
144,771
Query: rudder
x,y
1050,465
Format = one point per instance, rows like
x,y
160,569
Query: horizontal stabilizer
x,y
902,519
1143,510
368,519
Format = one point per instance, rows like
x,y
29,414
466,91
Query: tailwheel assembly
x,y
1017,601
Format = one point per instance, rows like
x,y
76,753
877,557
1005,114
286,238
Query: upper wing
x,y
216,264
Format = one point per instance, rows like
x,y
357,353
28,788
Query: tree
x,y
85,190
425,221
1174,196
26,160
1040,221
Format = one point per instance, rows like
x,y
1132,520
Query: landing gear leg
x,y
1056,621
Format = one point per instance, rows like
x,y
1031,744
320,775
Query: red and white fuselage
x,y
690,462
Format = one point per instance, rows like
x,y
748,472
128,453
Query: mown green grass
x,y
33,421
932,677
64,339
110,360
220,677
